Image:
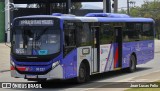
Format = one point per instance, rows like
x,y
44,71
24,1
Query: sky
x,y
121,3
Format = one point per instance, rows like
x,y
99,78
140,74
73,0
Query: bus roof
x,y
92,19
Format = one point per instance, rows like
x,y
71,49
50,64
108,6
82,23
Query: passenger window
x,y
106,34
147,31
84,35
132,32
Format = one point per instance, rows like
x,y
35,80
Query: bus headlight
x,y
12,67
12,64
55,64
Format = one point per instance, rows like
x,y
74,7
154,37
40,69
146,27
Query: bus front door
x,y
118,40
96,48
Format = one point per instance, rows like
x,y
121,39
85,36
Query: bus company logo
x,y
28,69
6,85
104,50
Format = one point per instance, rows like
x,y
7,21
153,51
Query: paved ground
x,y
4,57
145,72
157,45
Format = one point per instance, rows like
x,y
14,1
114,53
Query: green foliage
x,y
123,11
135,11
77,5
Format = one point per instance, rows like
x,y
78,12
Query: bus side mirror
x,y
11,7
5,37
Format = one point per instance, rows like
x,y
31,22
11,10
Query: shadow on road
x,y
112,74
70,83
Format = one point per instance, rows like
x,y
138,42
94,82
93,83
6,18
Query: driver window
x,y
69,38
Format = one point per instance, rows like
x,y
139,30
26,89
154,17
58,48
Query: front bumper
x,y
56,73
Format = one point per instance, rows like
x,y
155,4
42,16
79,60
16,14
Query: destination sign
x,y
36,22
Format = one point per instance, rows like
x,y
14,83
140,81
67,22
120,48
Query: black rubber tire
x,y
84,75
38,80
132,66
42,80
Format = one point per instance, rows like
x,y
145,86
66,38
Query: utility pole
x,y
128,7
106,6
7,19
115,6
68,7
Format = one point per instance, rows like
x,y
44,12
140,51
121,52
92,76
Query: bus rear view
x,y
36,48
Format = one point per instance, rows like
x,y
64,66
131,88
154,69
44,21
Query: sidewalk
x,y
5,55
157,46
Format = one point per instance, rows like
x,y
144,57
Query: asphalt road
x,y
99,80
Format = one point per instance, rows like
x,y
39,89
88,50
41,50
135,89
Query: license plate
x,y
31,76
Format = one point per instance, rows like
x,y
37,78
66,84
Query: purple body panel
x,y
70,65
144,51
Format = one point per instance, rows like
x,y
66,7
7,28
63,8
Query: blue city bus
x,y
62,46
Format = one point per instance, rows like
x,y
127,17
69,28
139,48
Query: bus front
x,y
36,50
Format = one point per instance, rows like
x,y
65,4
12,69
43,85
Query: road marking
x,y
157,52
125,80
138,80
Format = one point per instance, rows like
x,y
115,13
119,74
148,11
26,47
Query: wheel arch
x,y
87,64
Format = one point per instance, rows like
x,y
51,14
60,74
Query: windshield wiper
x,y
40,34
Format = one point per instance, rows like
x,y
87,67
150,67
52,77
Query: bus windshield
x,y
36,40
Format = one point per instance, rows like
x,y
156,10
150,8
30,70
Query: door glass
x,y
95,49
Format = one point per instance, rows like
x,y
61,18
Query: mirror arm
x,y
7,45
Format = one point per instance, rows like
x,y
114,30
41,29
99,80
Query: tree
x,y
123,11
76,5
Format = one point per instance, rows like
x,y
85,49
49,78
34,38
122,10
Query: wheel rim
x,y
82,73
133,63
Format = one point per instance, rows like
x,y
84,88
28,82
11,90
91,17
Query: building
x,y
10,13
